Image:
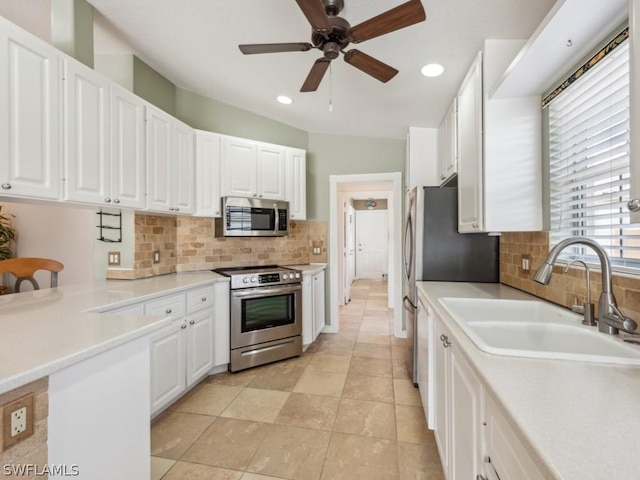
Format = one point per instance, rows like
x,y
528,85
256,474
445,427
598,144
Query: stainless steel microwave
x,y
253,217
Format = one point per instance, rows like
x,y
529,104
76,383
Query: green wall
x,y
153,87
204,113
343,155
72,29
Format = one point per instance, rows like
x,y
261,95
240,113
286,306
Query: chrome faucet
x,y
610,319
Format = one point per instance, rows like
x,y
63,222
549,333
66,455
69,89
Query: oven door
x,y
264,314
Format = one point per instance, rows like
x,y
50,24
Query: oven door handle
x,y
265,291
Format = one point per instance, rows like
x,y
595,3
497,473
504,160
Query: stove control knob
x,y
297,275
245,280
285,276
254,279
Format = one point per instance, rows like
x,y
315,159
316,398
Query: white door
x,y
207,174
371,243
159,159
239,175
199,345
168,369
183,164
349,250
271,172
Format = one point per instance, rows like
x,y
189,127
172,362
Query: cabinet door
x,y
183,168
128,174
29,115
199,345
447,144
208,174
239,172
470,181
466,421
422,366
441,395
296,183
159,159
168,369
271,172
318,304
307,309
86,120
221,327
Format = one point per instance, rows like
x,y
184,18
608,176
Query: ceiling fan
x,y
332,34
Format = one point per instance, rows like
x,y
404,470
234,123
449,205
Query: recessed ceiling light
x,y
432,70
284,100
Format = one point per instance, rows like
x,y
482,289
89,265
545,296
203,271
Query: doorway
x,y
371,244
343,190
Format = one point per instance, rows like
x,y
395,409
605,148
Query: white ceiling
x,y
194,43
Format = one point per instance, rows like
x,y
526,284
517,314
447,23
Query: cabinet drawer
x,y
171,304
200,298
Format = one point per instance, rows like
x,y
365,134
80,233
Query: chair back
x,y
24,269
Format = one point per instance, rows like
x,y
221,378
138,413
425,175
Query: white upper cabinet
x,y
170,163
470,184
104,140
128,173
253,169
86,135
499,149
271,172
296,183
239,167
448,144
30,130
208,174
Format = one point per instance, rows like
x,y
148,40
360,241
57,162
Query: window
x,y
589,158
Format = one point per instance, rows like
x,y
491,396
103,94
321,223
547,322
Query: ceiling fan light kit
x,y
332,34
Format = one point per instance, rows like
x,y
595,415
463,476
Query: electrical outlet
x,y
113,259
525,263
156,256
17,420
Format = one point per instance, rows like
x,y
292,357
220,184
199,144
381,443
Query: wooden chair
x,y
24,268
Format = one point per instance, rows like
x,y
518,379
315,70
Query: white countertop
x,y
47,330
309,268
578,420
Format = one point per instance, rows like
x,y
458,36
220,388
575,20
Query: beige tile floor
x,y
346,409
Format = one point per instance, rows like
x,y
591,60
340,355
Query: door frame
x,y
395,243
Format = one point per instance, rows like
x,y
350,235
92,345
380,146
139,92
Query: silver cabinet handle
x,y
204,299
115,200
184,325
177,209
108,200
442,337
475,225
6,186
633,205
446,343
168,311
171,209
192,322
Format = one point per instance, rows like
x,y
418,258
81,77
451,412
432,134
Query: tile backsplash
x,y
189,244
563,286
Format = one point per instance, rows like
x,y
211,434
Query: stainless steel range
x,y
266,314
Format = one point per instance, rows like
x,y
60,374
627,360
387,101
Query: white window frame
x,y
588,138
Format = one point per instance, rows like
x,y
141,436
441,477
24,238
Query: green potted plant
x,y
7,235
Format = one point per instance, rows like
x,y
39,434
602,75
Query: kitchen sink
x,y
536,329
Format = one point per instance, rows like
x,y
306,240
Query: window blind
x,y
589,163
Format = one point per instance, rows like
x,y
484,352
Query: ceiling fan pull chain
x,y
330,88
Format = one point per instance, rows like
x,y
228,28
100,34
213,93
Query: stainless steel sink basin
x,y
535,329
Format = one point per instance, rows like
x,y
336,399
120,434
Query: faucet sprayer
x,y
610,319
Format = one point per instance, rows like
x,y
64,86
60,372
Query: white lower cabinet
x,y
313,311
196,341
506,456
458,408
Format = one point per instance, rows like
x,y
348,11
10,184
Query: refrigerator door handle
x,y
408,305
408,236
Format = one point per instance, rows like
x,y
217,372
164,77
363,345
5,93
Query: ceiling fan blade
x,y
404,15
370,65
315,75
274,47
317,17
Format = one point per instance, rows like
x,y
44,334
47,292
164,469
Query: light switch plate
x,y
113,259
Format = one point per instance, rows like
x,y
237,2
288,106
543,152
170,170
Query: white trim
x,y
395,216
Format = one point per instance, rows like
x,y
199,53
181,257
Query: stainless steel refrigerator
x,y
431,238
